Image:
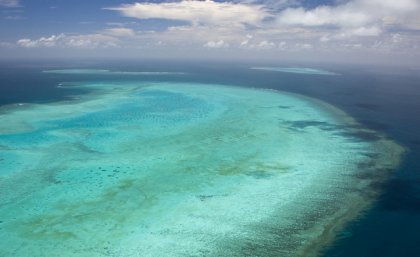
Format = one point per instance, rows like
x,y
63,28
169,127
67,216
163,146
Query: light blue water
x,y
151,106
182,169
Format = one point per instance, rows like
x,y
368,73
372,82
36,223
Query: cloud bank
x,y
72,41
275,27
197,12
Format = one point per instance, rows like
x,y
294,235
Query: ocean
x,y
381,99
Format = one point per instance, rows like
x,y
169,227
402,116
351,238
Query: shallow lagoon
x,y
141,169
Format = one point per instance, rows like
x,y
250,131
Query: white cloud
x,y
218,44
41,42
254,43
396,38
266,45
90,41
119,32
354,13
352,33
390,6
10,3
353,22
282,45
323,15
75,41
197,12
272,4
348,25
365,31
244,43
347,22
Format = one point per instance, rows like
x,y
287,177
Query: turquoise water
x,y
182,169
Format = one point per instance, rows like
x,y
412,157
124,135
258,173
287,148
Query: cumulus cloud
x,y
10,3
262,26
43,41
355,13
252,43
355,22
272,21
76,41
352,33
272,4
322,16
197,12
120,32
216,44
90,41
266,45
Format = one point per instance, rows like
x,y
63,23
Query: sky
x,y
363,31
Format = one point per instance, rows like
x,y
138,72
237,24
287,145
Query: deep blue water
x,y
382,98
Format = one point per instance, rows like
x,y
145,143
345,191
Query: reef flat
x,y
298,70
178,169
